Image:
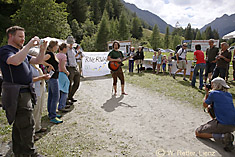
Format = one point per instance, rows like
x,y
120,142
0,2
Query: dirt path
x,y
148,122
142,123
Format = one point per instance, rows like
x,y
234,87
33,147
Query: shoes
x,y
36,155
41,130
200,88
0,105
228,141
63,110
58,116
173,76
184,79
67,106
69,103
36,138
56,120
73,100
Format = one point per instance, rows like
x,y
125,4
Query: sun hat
x,y
221,81
70,40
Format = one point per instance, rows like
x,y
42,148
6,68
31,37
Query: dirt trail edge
x,y
142,124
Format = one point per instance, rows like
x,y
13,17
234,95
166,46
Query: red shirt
x,y
199,56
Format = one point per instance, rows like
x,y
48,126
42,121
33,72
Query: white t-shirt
x,y
182,55
71,62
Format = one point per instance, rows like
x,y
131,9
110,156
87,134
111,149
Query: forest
x,y
92,23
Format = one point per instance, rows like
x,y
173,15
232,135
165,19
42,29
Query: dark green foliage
x,y
155,39
103,33
78,10
123,30
43,18
136,29
167,38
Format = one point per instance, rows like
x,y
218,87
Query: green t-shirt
x,y
212,53
115,54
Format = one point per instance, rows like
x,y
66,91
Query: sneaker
x,y
228,141
184,79
58,116
200,88
67,106
63,110
41,130
56,120
73,100
173,75
69,103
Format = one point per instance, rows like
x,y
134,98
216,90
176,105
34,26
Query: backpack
x,y
176,50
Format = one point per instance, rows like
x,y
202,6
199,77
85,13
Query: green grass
x,y
175,89
149,55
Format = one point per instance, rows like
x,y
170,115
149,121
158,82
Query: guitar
x,y
114,65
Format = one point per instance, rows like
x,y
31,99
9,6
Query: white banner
x,y
95,64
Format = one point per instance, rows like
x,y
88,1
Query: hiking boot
x,y
185,79
41,130
228,141
56,120
173,75
67,106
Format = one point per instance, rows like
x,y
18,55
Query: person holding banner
x,y
116,56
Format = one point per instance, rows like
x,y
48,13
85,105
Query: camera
x,y
208,85
41,42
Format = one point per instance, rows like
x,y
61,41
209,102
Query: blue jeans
x,y
131,65
63,99
53,97
200,67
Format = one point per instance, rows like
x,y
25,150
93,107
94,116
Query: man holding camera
x,y
223,59
223,124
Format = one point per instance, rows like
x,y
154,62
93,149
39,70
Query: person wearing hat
x,y
181,57
74,75
139,58
221,127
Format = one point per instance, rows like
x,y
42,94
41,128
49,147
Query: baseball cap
x,y
70,40
221,81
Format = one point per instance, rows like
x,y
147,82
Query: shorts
x,y
170,65
139,61
209,68
182,64
214,127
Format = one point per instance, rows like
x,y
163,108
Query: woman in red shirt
x,y
201,64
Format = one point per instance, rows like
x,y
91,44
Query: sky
x,y
196,12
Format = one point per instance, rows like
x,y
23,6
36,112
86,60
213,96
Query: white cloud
x,y
196,12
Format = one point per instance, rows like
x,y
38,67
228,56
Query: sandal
x,y
124,93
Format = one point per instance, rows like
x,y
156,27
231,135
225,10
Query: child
x,y
159,60
170,62
154,62
63,78
164,61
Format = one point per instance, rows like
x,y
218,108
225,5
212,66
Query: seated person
x,y
221,127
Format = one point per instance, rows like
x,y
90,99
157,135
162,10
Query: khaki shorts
x,y
214,127
139,61
182,64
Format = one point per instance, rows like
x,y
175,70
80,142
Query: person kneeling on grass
x,y
221,127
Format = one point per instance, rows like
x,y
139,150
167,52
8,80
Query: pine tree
x,y
198,36
215,34
103,33
109,9
77,31
155,39
43,18
124,33
176,41
188,33
117,6
136,30
114,30
166,40
78,10
209,33
96,12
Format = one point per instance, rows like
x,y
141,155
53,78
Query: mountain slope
x,y
224,24
148,17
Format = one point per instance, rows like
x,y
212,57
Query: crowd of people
x,y
26,72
